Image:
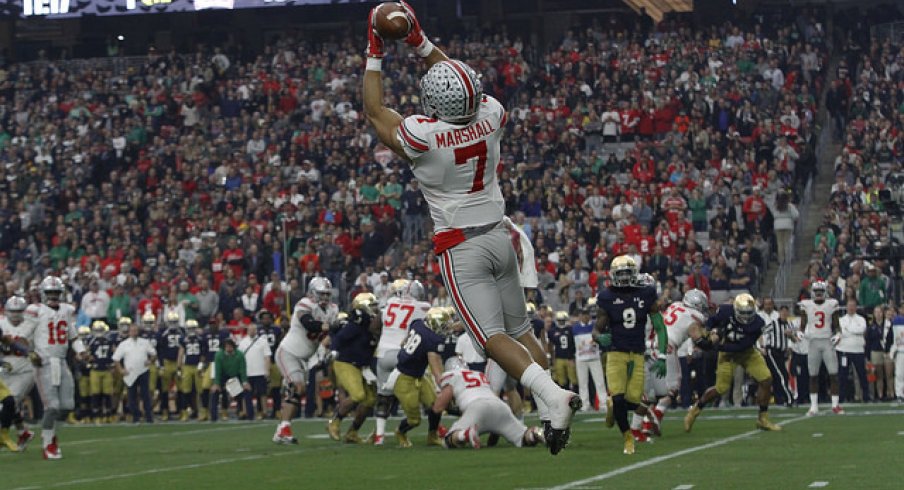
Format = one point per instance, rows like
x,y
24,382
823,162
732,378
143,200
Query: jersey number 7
x,y
466,154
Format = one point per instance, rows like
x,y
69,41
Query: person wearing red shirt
x,y
151,302
696,280
310,261
234,257
754,208
275,300
666,239
646,245
630,118
674,206
682,227
633,231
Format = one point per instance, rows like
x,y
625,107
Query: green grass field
x,y
861,450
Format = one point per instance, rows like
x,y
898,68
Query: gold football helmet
x,y
438,319
623,271
744,308
99,327
367,303
561,318
148,320
531,308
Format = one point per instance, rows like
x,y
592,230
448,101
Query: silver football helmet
x,y
415,290
696,299
15,309
320,289
819,289
455,362
451,91
52,289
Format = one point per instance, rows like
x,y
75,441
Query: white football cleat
x,y
812,412
472,436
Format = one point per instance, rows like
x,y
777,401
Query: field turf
x,y
863,449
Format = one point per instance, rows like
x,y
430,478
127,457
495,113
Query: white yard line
x,y
159,434
155,471
665,457
819,484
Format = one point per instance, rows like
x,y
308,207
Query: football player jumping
x,y
310,322
453,150
404,306
738,328
817,314
481,410
54,331
623,308
18,374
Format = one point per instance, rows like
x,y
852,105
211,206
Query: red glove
x,y
374,41
416,37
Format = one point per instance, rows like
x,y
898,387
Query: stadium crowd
x,y
218,185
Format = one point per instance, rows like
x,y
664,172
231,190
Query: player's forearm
x,y
435,57
442,401
373,94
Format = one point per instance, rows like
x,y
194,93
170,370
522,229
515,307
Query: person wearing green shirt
x,y
188,301
825,231
392,191
872,289
229,363
369,191
697,205
119,305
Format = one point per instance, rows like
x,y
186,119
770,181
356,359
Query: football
x,y
392,21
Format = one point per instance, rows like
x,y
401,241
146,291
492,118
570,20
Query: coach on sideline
x,y
257,360
132,358
230,363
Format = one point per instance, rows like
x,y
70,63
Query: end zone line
x,y
664,457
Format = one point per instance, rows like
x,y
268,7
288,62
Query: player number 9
x,y
629,318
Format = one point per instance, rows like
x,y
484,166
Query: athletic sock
x,y
540,383
47,436
814,401
835,400
381,426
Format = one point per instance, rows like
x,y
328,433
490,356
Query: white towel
x,y
389,385
56,371
527,269
234,387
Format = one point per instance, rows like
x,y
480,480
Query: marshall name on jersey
x,y
467,386
300,342
678,319
627,309
819,317
53,329
456,166
398,314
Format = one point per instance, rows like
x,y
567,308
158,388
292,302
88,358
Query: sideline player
x,y
168,343
453,150
738,327
101,349
404,306
481,410
817,314
311,321
188,364
54,332
624,306
19,374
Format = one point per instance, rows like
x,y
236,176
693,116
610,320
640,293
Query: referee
x,y
776,346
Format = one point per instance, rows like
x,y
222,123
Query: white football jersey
x,y
678,319
397,316
299,341
456,166
53,330
467,386
24,331
819,317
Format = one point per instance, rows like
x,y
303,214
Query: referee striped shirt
x,y
774,334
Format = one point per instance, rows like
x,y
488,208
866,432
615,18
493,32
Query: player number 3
x,y
57,333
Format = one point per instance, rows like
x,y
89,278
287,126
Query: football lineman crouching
x,y
412,387
482,411
16,372
354,345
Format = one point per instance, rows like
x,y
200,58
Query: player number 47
x,y
466,154
57,333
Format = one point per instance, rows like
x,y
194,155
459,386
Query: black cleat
x,y
557,439
493,440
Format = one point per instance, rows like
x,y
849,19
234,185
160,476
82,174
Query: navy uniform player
x,y
149,332
622,311
738,326
211,341
83,381
413,388
188,364
561,346
273,334
168,343
100,351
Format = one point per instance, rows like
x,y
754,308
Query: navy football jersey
x,y
562,342
273,334
192,345
412,358
735,336
101,349
448,350
211,342
151,336
168,342
627,309
537,326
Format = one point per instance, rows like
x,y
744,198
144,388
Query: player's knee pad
x,y
384,403
292,396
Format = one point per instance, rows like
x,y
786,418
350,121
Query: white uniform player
x,y
453,150
818,324
311,320
54,330
18,375
404,305
481,410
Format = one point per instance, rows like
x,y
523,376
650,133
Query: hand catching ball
x,y
391,21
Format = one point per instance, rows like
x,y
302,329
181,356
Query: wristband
x,y
425,48
374,64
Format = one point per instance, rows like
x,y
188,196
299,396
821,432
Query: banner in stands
x,y
63,9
